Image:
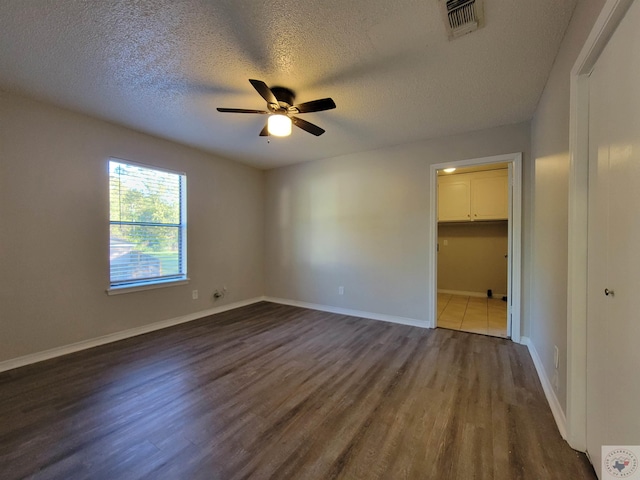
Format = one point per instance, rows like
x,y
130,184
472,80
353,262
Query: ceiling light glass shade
x,y
449,170
279,125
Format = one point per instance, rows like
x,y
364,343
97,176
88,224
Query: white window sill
x,y
148,286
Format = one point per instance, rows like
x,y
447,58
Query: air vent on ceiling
x,y
462,16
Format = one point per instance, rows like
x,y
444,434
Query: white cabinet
x,y
454,198
489,195
468,197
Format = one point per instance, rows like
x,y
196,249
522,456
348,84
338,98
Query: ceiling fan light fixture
x,y
279,125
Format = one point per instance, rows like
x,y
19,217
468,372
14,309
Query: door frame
x,y
515,236
604,27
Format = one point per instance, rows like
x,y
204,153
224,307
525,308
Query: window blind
x,y
147,234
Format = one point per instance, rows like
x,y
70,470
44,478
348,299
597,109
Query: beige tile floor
x,y
487,316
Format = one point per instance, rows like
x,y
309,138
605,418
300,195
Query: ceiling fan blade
x,y
307,126
316,105
239,110
264,91
265,131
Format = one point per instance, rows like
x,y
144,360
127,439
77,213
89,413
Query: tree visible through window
x,y
147,224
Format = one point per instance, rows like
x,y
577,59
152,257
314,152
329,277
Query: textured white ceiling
x,y
163,66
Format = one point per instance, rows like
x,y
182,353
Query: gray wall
x,y
550,147
54,236
361,221
473,259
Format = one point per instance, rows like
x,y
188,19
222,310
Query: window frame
x,y
154,282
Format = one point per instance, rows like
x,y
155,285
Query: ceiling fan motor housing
x,y
284,96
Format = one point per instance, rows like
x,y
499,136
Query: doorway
x,y
476,304
473,234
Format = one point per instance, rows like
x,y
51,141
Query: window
x,y
147,234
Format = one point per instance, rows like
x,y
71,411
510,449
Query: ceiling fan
x,y
281,110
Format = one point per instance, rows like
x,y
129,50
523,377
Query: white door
x,y
613,306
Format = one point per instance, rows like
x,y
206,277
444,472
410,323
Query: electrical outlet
x,y
556,356
445,243
194,294
340,290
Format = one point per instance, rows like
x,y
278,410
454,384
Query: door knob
x,y
608,292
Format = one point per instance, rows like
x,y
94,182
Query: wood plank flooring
x,y
278,392
487,316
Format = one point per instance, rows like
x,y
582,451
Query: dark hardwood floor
x,y
277,392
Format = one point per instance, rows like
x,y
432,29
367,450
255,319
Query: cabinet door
x,y
454,199
490,196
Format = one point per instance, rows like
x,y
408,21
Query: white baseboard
x,y
353,313
114,337
554,403
471,294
